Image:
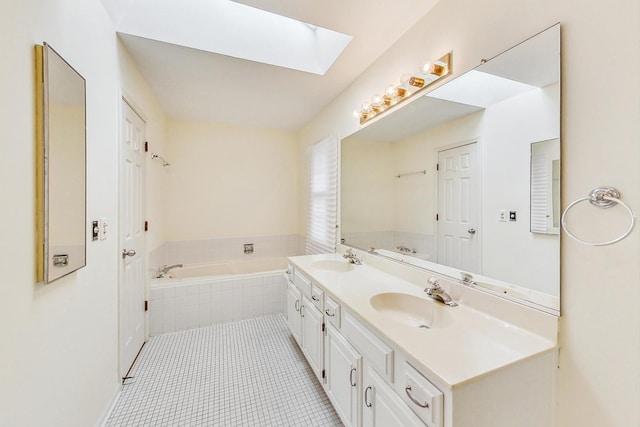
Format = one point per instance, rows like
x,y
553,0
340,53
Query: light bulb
x,y
426,68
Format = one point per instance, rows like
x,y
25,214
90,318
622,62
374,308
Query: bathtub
x,y
230,267
201,295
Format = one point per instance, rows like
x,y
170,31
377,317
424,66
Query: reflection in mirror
x,y
545,187
60,166
444,182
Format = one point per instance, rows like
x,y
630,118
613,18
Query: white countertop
x,y
471,346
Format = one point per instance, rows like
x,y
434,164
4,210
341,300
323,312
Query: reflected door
x,y
458,208
132,331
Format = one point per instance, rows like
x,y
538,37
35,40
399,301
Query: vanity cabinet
x,y
343,376
381,405
312,336
380,369
294,301
306,323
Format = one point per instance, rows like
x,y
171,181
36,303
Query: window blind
x,y
322,209
540,180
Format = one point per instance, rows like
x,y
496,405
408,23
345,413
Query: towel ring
x,y
601,197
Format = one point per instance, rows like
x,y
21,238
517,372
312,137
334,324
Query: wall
x,y
229,181
59,342
59,353
599,373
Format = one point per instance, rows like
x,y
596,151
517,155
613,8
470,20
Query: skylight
x,y
234,29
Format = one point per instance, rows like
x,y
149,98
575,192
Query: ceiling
x,y
195,84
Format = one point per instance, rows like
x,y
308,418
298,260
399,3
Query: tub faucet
x,y
353,259
437,293
164,270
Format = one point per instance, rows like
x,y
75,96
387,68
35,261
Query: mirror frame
x,y
44,54
543,302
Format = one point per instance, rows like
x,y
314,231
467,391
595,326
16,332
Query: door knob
x,y
471,231
126,253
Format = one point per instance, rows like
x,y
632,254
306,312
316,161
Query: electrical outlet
x,y
512,215
502,215
95,230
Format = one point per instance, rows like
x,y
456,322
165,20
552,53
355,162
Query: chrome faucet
x,y
437,293
164,270
353,259
405,249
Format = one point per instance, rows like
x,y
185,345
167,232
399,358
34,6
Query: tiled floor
x,y
245,373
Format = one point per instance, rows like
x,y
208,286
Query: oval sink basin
x,y
412,310
331,265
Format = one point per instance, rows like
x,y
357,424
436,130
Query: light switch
x,y
103,228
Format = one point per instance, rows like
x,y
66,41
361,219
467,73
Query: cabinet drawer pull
x,y
366,397
301,311
315,298
297,305
329,314
422,405
351,381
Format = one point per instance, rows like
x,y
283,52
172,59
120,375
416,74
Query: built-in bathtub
x,y
200,295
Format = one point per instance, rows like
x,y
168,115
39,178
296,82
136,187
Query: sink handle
x,y
407,389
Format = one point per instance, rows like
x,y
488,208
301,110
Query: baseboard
x,y
102,419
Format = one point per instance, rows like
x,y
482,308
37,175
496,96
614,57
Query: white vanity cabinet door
x,y
294,301
312,336
381,405
343,366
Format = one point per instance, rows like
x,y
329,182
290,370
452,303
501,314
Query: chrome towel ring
x,y
601,197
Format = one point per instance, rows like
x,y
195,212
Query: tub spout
x,y
165,270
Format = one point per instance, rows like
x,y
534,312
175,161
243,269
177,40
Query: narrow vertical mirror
x,y
60,166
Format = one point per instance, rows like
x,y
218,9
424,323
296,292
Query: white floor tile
x,y
245,373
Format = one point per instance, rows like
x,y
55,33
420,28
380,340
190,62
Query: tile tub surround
x,y
224,249
193,303
216,376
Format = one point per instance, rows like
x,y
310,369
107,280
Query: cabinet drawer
x,y
422,397
302,282
377,352
332,311
317,297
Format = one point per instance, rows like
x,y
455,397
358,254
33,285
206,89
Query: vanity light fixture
x,y
409,85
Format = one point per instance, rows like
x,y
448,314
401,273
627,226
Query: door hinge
x,y
146,146
437,166
146,305
323,327
437,217
323,375
146,226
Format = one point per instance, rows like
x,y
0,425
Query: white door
x,y
343,366
458,208
312,336
131,278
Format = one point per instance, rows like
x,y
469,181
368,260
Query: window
x,y
322,208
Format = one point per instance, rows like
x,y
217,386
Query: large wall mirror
x,y
60,166
466,179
